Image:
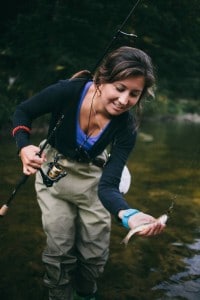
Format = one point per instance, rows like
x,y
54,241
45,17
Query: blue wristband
x,y
128,213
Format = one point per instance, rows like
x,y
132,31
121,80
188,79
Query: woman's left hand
x,y
154,226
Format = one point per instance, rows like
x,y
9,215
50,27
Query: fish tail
x,y
124,241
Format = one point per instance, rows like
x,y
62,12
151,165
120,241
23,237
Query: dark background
x,y
42,41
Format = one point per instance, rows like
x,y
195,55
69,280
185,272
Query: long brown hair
x,y
120,64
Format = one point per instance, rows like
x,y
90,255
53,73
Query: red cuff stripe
x,y
27,129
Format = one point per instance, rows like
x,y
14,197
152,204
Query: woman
x,y
79,186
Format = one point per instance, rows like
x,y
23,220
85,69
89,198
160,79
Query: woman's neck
x,y
93,117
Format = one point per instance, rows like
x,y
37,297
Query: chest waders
x,y
77,228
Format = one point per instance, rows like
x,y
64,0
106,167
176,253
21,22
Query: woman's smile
x,y
118,106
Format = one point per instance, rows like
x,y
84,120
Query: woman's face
x,y
120,96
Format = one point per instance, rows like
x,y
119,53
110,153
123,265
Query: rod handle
x,y
3,210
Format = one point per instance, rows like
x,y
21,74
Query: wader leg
x,y
61,293
84,286
92,297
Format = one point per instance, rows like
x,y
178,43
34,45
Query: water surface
x,y
165,167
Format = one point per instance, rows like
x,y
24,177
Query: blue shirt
x,y
83,139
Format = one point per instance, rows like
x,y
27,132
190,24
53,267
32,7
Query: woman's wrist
x,y
124,215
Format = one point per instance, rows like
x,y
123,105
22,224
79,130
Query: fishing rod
x,y
25,177
116,35
48,181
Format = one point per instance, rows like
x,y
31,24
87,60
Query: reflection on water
x,y
165,166
187,283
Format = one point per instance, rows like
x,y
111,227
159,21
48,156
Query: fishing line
x,y
190,168
191,165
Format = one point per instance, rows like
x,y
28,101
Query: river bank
x,y
41,126
188,117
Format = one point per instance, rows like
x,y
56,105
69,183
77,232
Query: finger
x,y
145,231
43,156
26,171
157,229
29,170
36,159
35,162
34,165
153,229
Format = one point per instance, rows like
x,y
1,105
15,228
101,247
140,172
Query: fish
x,y
162,219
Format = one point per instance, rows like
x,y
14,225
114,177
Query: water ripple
x,y
184,284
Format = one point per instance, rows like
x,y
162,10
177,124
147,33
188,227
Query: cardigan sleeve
x,y
46,101
108,190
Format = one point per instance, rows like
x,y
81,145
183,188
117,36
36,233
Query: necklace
x,y
82,153
93,110
96,117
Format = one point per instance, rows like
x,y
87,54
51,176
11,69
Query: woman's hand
x,y
152,226
30,159
155,226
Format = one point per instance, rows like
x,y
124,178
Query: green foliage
x,y
170,107
45,40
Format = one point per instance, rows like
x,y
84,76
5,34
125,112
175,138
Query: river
x,y
165,167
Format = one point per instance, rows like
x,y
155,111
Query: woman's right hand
x,y
31,160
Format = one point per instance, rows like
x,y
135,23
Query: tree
x,y
45,40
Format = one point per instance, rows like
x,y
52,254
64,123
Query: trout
x,y
162,219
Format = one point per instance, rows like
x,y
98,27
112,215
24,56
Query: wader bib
x,y
77,228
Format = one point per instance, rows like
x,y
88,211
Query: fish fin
x,y
125,242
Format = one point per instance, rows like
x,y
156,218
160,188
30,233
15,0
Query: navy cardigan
x,y
63,98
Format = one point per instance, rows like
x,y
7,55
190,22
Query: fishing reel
x,y
54,172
